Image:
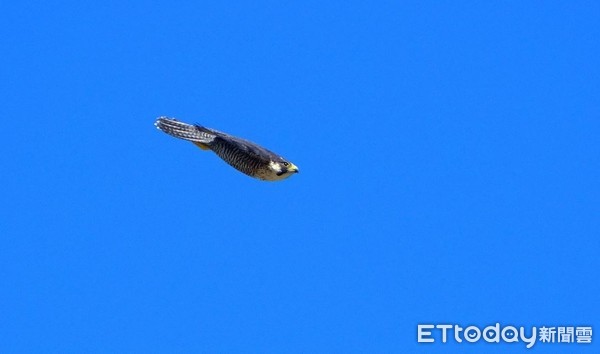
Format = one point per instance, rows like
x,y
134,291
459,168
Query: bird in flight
x,y
243,155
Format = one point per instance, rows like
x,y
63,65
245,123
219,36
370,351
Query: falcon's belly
x,y
244,162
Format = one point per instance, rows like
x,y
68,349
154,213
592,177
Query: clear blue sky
x,y
449,157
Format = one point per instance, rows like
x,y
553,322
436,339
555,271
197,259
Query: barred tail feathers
x,y
193,133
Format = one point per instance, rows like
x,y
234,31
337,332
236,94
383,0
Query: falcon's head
x,y
283,169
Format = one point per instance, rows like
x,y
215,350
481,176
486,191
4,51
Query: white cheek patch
x,y
274,166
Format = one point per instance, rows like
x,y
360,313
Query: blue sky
x,y
449,162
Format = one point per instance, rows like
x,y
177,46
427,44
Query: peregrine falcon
x,y
243,155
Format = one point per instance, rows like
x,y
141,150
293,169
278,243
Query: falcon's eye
x,y
286,164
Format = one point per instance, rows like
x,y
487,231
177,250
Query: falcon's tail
x,y
196,134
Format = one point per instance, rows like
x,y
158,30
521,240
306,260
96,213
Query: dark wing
x,y
244,146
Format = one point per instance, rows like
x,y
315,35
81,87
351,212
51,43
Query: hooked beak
x,y
293,168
